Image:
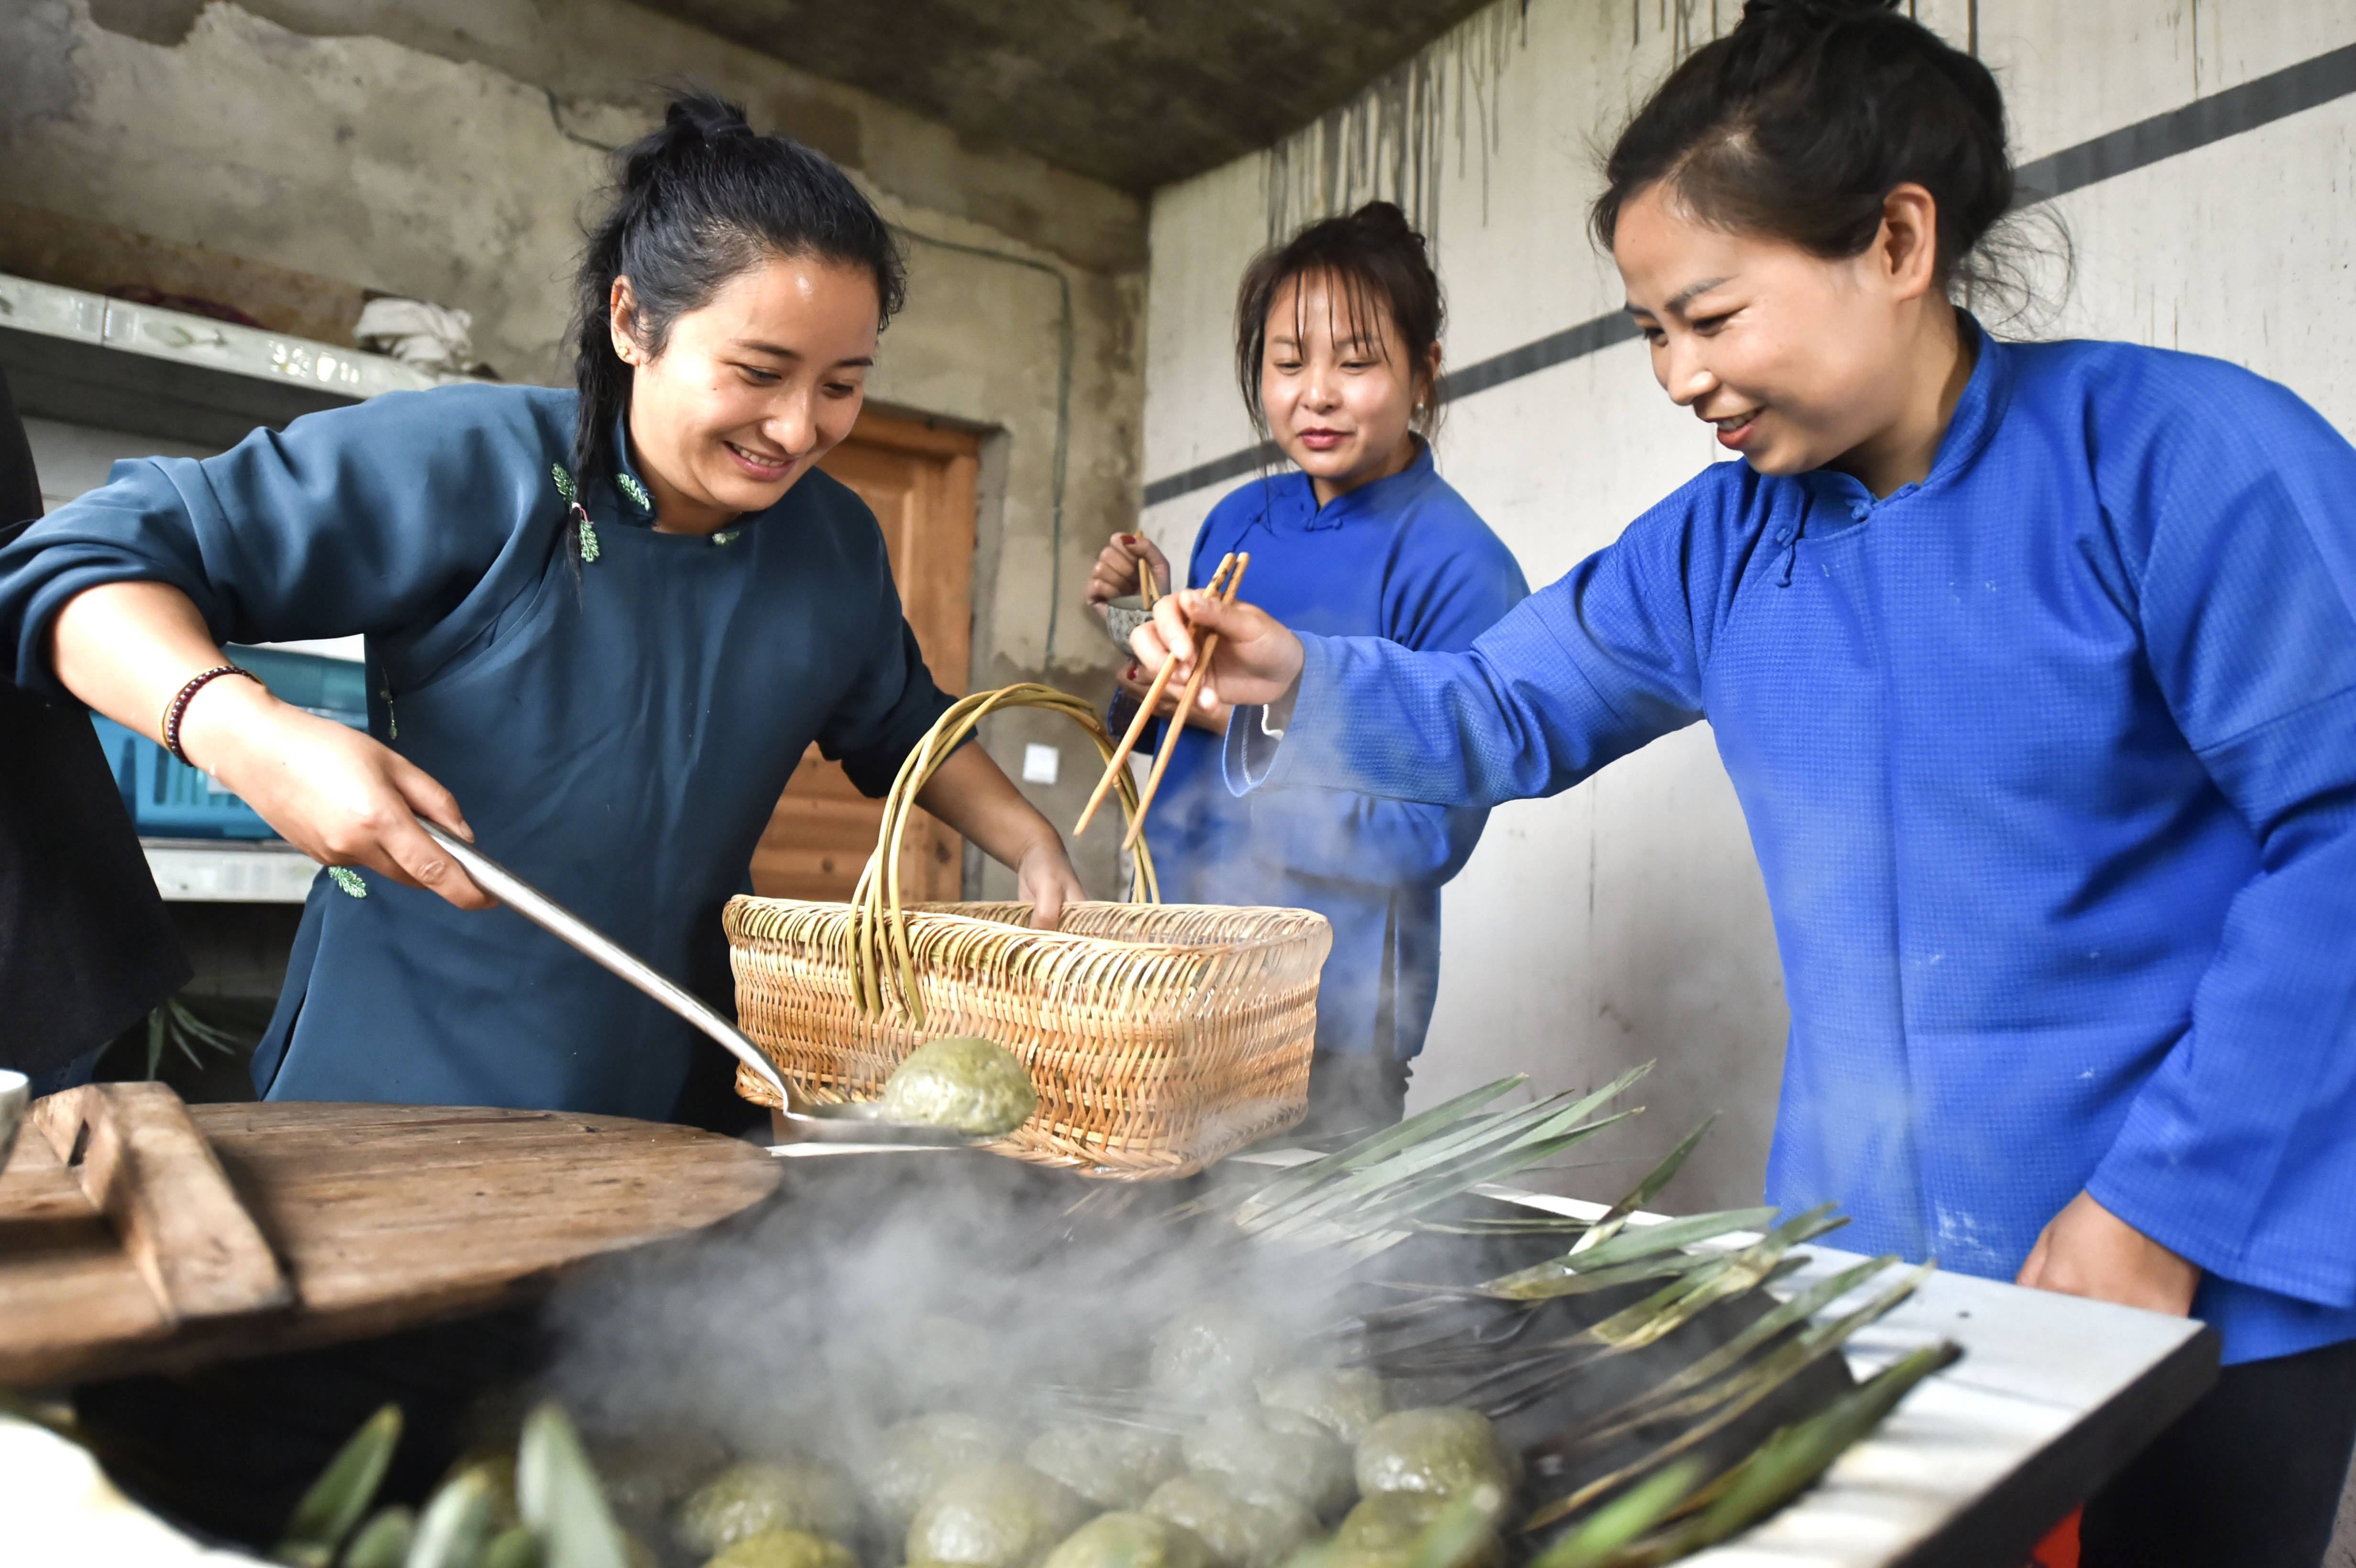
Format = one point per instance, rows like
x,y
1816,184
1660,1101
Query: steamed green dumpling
x,y
1444,1451
1275,1450
1241,1534
1344,1401
918,1455
784,1548
644,1476
1384,1530
1389,1520
1131,1541
1113,1467
1207,1355
755,1496
967,1082
995,1516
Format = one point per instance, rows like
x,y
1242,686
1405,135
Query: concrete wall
x,y
288,154
1625,920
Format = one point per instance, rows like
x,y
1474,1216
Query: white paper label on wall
x,y
1040,764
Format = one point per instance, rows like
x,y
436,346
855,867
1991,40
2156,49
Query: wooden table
x,y
370,1218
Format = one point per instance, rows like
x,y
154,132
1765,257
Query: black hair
x,y
1372,254
697,201
1804,118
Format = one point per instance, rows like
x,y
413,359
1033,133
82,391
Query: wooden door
x,y
919,482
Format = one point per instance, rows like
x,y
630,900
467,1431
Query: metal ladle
x,y
860,1124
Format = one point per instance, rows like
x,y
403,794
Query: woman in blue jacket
x,y
607,623
2034,667
1337,353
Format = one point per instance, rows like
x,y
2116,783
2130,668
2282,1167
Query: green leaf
x,y
384,1540
1641,1193
1632,1411
336,1501
1600,1539
1647,1323
1440,1163
1734,1395
1538,1282
1789,1462
516,1548
1379,1145
456,1527
557,1490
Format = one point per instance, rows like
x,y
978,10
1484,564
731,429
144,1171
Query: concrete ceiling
x,y
1133,92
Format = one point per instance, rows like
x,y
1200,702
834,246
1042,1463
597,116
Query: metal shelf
x,y
230,871
92,360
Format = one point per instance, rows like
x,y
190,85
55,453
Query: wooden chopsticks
x,y
1229,563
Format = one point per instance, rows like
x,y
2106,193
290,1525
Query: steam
x,y
885,1286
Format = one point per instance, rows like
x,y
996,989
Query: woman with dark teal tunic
x,y
2034,667
603,624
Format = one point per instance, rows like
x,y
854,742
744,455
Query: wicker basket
x,y
1159,1037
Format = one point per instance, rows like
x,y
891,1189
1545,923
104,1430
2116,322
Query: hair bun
x,y
1811,14
694,121
704,117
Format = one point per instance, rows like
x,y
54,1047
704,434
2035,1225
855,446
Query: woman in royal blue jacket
x,y
2034,666
1337,353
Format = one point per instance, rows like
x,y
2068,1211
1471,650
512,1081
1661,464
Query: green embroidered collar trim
x,y
570,492
349,879
637,492
726,536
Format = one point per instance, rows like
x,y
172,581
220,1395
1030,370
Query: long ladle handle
x,y
567,927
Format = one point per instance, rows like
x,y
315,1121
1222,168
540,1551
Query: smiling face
x,y
1337,390
750,390
1801,362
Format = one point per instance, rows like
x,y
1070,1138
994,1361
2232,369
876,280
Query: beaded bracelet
x,y
177,708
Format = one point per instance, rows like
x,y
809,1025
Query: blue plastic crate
x,y
168,799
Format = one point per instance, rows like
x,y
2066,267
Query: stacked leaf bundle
x,y
1466,1382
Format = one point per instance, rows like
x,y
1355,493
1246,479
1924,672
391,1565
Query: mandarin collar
x,y
1290,501
637,505
1978,412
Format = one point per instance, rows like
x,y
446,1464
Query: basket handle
x,y
878,931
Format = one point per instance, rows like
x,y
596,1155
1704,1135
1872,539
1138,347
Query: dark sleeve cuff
x,y
873,768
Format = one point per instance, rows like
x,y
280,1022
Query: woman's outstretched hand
x,y
126,649
1256,662
2089,1251
337,795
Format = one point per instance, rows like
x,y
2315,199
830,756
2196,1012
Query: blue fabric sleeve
x,y
2238,1152
1581,673
356,520
1454,580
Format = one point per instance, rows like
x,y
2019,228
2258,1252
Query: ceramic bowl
x,y
1123,617
15,1093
